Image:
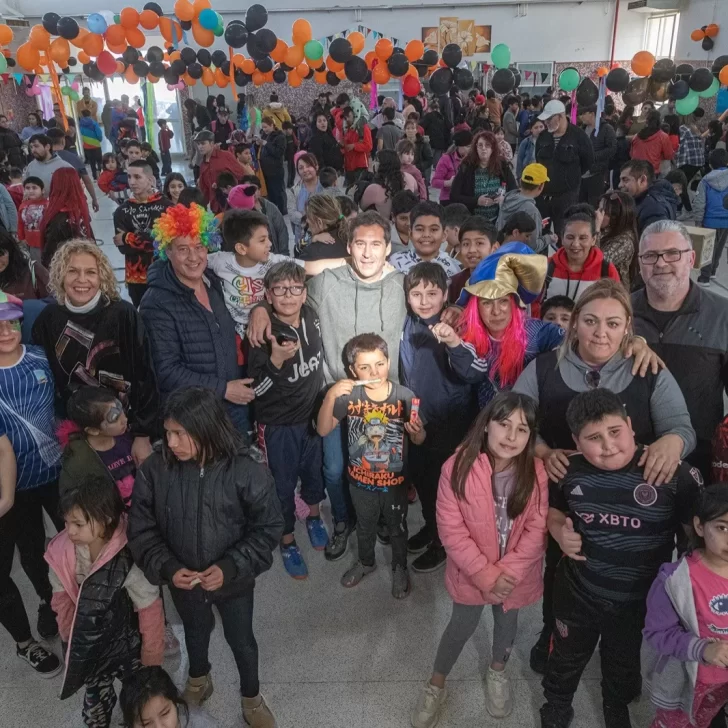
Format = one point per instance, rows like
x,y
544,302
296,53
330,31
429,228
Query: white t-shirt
x,y
243,287
408,259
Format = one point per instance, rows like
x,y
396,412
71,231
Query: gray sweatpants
x,y
463,623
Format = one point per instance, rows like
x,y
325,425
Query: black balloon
x,y
332,79
171,77
266,40
195,70
701,79
155,53
663,70
699,113
463,79
63,70
154,7
225,68
256,18
50,22
356,69
452,55
587,93
719,64
68,29
340,50
441,81
422,68
617,80
368,77
141,68
430,57
279,75
218,58
236,36
707,44
186,24
636,91
516,75
503,81
241,79
286,67
178,66
188,55
11,62
310,73
95,73
131,54
684,70
264,65
254,50
398,64
678,90
203,57
87,69
157,68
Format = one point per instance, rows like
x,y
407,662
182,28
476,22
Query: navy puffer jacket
x,y
190,345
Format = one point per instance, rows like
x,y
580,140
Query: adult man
x,y
58,142
11,144
357,146
604,145
655,199
45,160
277,112
57,121
380,119
197,115
389,133
86,103
668,108
566,152
349,300
271,156
510,123
213,161
133,221
495,108
277,228
687,326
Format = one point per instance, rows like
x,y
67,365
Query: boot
x,y
256,713
198,689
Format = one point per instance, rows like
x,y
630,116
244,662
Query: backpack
x,y
604,273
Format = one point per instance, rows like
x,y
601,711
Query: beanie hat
x,y
242,197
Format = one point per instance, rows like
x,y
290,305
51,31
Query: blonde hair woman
x,y
91,336
327,227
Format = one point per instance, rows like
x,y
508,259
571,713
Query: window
x,y
536,77
660,35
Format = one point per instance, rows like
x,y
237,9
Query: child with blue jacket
x,y
709,209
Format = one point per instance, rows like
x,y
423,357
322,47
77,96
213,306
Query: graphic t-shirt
x,y
30,215
377,440
486,184
504,483
120,463
405,260
243,287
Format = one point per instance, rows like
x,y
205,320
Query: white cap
x,y
551,109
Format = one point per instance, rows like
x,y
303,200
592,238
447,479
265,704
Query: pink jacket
x,y
421,186
446,169
468,532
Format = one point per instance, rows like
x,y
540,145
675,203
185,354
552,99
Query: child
x,y
685,649
448,403
505,148
406,153
113,181
133,152
30,215
679,181
192,196
455,215
491,508
245,158
402,205
709,210
328,177
174,183
15,185
380,420
91,137
290,153
518,228
152,160
557,310
347,206
478,239
225,182
616,531
288,377
98,444
90,566
150,699
164,139
428,234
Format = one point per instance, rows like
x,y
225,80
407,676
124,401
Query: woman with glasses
x,y
598,351
617,228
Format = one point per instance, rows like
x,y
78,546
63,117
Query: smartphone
x,y
415,409
286,337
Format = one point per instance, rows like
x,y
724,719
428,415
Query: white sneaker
x,y
427,711
498,700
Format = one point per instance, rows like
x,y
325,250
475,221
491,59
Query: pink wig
x,y
509,362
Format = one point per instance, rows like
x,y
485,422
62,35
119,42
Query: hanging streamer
x,y
150,112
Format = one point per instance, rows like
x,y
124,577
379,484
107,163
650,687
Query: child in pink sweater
x,y
109,615
406,154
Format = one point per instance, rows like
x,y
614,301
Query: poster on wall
x,y
470,37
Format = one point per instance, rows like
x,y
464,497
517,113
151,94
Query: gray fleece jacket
x,y
668,410
515,201
347,306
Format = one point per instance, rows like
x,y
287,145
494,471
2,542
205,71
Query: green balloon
x,y
117,19
688,104
712,90
569,79
313,50
66,91
3,63
501,56
74,95
219,30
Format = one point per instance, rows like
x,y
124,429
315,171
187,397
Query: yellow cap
x,y
535,174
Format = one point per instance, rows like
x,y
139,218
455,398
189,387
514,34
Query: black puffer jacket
x,y
225,514
435,126
12,145
658,202
326,149
565,162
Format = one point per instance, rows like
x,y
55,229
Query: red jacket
x,y
654,149
220,161
358,157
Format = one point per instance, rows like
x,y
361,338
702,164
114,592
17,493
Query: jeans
x,y
334,482
195,611
166,159
92,157
240,415
391,505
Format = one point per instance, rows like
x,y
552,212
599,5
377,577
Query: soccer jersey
x,y
405,260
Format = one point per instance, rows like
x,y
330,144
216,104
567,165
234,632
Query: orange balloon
x,y
320,78
93,44
294,56
642,63
238,59
39,38
380,74
171,30
27,56
208,77
602,71
115,34
412,71
258,78
60,51
6,34
697,34
148,19
369,59
84,57
152,79
220,78
384,48
200,5
341,75
120,67
80,38
357,42
129,18
294,80
712,30
184,10
302,70
174,55
130,76
415,50
188,79
366,88
302,32
278,54
116,47
248,66
135,38
333,65
723,75
268,77
202,36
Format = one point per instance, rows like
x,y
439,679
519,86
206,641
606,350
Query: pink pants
x,y
708,701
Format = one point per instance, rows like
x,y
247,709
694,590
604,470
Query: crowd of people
x,y
528,357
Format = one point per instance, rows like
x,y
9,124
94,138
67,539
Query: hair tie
x,y
341,217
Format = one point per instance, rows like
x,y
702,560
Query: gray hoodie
x,y
515,201
347,306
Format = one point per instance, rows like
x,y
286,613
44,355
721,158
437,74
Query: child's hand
x,y
570,541
281,353
259,331
341,388
445,333
184,577
716,653
211,579
504,586
415,430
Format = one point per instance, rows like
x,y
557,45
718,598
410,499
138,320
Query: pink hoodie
x,y
446,169
468,532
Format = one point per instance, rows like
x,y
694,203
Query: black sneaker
x,y
540,652
555,716
45,663
47,625
336,547
420,541
383,535
704,280
616,716
433,559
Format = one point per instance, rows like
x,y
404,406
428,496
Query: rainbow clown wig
x,y
193,222
513,270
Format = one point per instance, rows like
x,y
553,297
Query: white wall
x,y
696,14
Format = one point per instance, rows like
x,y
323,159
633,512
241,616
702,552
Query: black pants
x,y
721,237
425,465
195,611
553,556
555,206
166,158
392,505
690,171
92,157
136,291
580,622
291,172
22,526
592,188
277,193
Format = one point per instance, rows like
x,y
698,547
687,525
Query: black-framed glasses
x,y
669,256
282,290
593,378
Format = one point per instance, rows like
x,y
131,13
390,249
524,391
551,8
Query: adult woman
x,y
651,143
174,183
271,155
423,151
191,331
389,179
596,353
483,178
66,216
436,128
91,336
20,276
327,228
527,148
449,164
617,222
35,126
203,482
11,144
323,146
306,185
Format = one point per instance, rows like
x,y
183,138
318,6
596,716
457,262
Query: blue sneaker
x,y
317,532
293,561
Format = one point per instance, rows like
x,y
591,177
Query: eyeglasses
x,y
282,290
593,379
668,256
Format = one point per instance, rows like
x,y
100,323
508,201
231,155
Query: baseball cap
x,y
535,174
551,109
204,136
11,307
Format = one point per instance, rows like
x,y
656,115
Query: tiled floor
x,y
330,657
